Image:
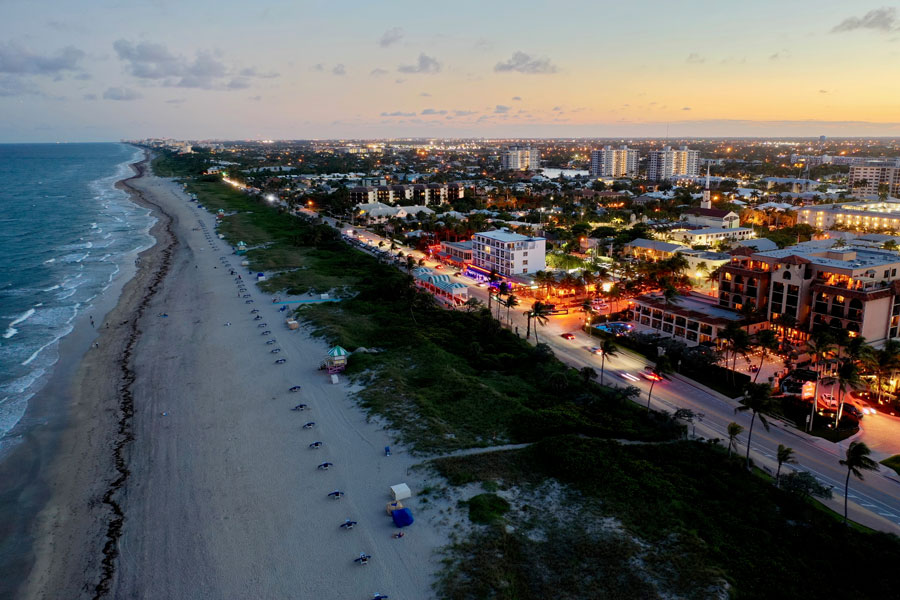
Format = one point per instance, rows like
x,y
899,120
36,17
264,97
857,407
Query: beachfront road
x,y
874,502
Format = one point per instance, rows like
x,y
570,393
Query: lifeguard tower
x,y
336,360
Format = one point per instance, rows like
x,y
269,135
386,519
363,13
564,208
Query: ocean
x,y
65,232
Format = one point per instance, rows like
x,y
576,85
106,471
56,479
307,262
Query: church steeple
x,y
707,194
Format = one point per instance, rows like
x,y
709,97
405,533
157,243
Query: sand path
x,y
224,499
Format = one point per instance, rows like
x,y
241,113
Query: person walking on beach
x,y
92,320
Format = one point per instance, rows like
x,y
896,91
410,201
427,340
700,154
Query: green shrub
x,y
487,508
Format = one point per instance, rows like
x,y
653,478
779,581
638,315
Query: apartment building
x,y
711,217
508,253
866,179
693,320
422,194
857,290
860,216
520,158
614,162
668,163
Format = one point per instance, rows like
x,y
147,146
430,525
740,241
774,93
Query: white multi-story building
x,y
867,179
614,162
420,193
667,163
859,216
520,158
508,253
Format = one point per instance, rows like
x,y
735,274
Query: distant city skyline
x,y
302,70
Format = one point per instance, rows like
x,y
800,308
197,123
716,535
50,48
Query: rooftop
x,y
502,235
655,245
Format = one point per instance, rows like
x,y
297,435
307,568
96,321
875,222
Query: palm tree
x,y
491,279
740,344
711,278
757,399
818,344
883,362
512,301
615,293
588,373
663,365
784,456
847,377
767,342
670,295
540,312
502,290
856,462
608,349
734,430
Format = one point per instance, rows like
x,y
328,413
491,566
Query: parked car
x,y
853,411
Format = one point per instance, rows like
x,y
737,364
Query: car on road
x,y
650,375
628,376
568,336
599,306
438,266
596,350
853,411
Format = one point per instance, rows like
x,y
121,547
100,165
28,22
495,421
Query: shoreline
x,y
73,459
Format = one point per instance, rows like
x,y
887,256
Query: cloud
x,y
339,70
525,63
398,114
254,72
120,93
154,62
686,108
391,37
464,113
559,108
425,95
378,72
780,55
18,60
694,59
255,98
425,64
318,67
13,85
881,20
517,98
431,111
176,101
501,109
89,97
823,91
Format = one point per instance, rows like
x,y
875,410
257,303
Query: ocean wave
x,y
49,260
11,329
50,289
58,336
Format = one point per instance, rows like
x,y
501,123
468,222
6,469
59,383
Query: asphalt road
x,y
874,502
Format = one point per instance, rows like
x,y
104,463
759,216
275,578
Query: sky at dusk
x,y
104,70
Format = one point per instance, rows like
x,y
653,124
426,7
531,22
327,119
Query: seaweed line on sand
x,y
125,432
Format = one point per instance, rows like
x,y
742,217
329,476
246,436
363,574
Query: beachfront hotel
x,y
859,216
507,253
856,289
693,320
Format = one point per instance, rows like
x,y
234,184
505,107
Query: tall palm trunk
x,y
602,366
761,361
846,493
749,437
649,396
528,331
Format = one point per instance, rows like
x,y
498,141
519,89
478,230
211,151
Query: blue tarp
x,y
402,517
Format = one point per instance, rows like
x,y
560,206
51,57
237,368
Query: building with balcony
x,y
520,158
854,289
457,254
867,179
614,162
508,253
421,193
691,319
859,216
668,164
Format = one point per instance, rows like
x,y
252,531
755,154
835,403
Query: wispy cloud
x,y
19,60
881,20
398,113
432,111
391,37
517,98
780,55
121,93
686,108
520,62
378,72
464,113
425,64
339,70
694,59
154,62
501,109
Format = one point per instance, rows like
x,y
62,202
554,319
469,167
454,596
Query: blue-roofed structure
x,y
449,292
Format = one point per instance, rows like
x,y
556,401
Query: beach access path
x,y
224,499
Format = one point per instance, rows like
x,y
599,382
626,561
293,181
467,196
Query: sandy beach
x,y
216,493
